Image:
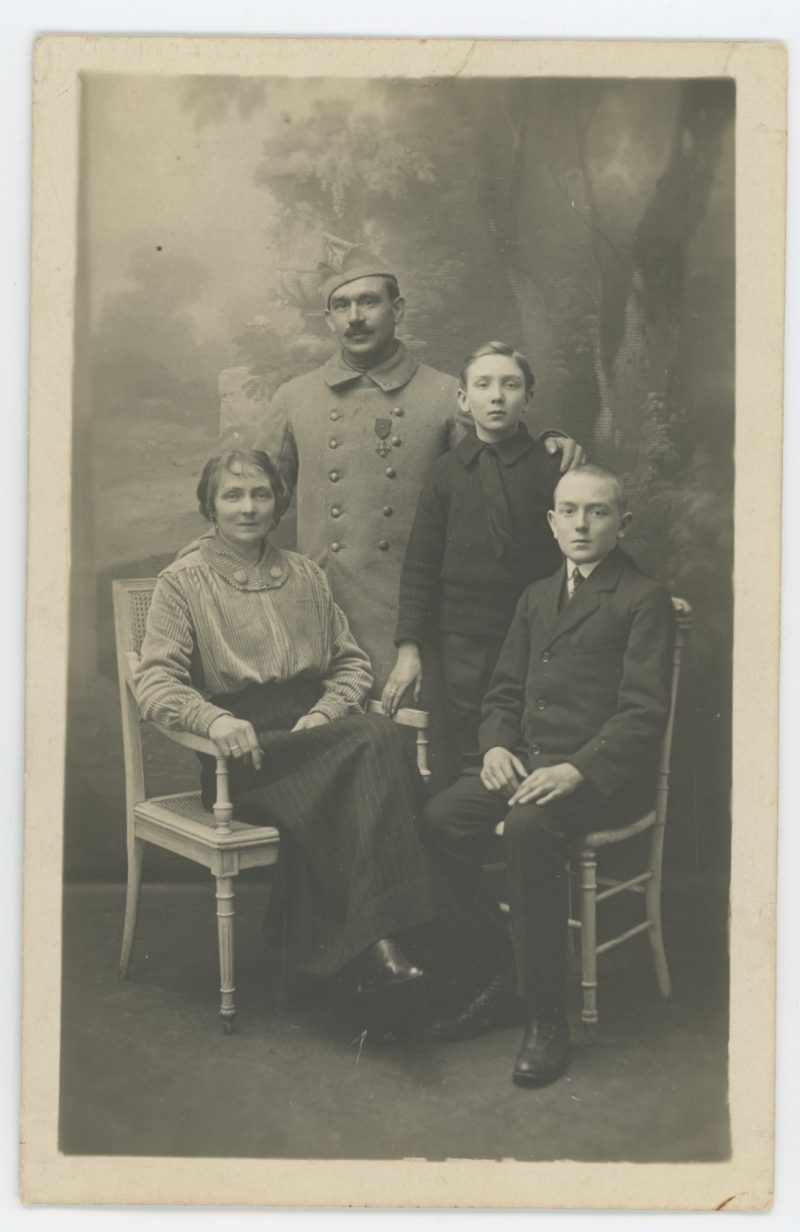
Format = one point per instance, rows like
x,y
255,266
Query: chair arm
x,y
200,744
222,807
407,716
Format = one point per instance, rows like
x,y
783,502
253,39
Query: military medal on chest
x,y
382,429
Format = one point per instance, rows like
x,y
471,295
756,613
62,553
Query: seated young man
x,y
570,736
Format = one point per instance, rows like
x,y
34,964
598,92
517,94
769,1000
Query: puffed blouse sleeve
x,y
163,680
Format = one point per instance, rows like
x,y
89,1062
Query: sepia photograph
x,y
401,485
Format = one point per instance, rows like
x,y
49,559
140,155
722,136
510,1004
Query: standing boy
x,y
479,537
570,737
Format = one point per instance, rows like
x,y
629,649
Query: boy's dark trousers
x,y
467,666
536,845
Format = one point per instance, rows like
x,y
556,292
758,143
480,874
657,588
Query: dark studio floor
x,y
146,1068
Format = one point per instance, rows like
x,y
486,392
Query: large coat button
x,y
387,511
333,476
336,547
335,415
396,440
390,472
241,577
384,545
397,410
275,571
333,443
336,512
540,703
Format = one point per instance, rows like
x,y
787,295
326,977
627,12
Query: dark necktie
x,y
577,580
496,502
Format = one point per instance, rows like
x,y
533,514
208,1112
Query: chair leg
x,y
135,857
225,917
572,940
655,936
589,942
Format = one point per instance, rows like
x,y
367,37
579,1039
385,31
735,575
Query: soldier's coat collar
x,y
392,374
508,450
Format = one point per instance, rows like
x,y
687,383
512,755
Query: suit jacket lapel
x,y
548,606
585,601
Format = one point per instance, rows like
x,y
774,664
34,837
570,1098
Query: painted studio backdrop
x,y
588,222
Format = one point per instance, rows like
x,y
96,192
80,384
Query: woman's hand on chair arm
x,y
235,738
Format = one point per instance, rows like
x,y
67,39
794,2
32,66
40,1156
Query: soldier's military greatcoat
x,y
356,446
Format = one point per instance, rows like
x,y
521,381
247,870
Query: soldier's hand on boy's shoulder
x,y
502,771
548,784
572,454
406,672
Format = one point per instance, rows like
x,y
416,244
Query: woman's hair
x,y
499,348
234,462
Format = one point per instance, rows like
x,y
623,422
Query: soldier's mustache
x,y
357,331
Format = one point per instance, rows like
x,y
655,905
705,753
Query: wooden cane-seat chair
x,y
593,890
178,822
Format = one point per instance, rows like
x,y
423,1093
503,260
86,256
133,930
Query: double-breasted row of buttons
x,y
334,442
383,545
396,410
337,511
335,476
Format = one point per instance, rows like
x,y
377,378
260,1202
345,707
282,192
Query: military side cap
x,y
344,263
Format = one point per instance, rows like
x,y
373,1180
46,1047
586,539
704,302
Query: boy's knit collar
x,y
509,450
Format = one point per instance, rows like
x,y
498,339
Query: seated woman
x,y
245,645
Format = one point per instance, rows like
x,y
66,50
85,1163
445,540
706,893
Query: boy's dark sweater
x,y
452,579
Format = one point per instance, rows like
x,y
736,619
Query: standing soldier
x,y
355,438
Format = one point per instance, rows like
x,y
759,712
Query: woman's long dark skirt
x,y
345,797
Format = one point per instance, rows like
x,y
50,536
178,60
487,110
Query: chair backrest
x,y
683,621
131,598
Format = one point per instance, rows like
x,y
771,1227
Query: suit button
x,y
546,656
396,440
335,415
336,547
536,749
333,443
387,511
540,703
241,577
390,472
384,545
397,410
336,512
275,572
333,476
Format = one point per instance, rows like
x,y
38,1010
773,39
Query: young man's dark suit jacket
x,y
589,683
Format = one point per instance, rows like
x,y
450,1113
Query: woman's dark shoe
x,y
494,1007
384,965
545,1045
